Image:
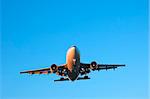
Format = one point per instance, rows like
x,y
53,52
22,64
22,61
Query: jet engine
x,y
93,65
54,68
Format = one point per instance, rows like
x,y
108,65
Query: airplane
x,y
73,67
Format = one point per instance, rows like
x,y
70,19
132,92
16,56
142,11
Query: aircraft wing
x,y
85,68
59,70
109,66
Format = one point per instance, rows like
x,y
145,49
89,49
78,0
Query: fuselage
x,y
73,62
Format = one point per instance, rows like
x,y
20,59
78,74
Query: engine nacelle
x,y
93,65
54,68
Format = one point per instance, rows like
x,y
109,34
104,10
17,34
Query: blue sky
x,y
37,33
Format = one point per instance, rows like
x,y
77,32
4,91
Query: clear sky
x,y
37,33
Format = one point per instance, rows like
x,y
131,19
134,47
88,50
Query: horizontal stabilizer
x,y
83,78
61,79
66,79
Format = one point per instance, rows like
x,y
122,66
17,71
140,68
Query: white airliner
x,y
73,67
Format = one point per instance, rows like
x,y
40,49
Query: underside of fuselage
x,y
72,75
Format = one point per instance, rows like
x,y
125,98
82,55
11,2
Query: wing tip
x,y
22,72
123,65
